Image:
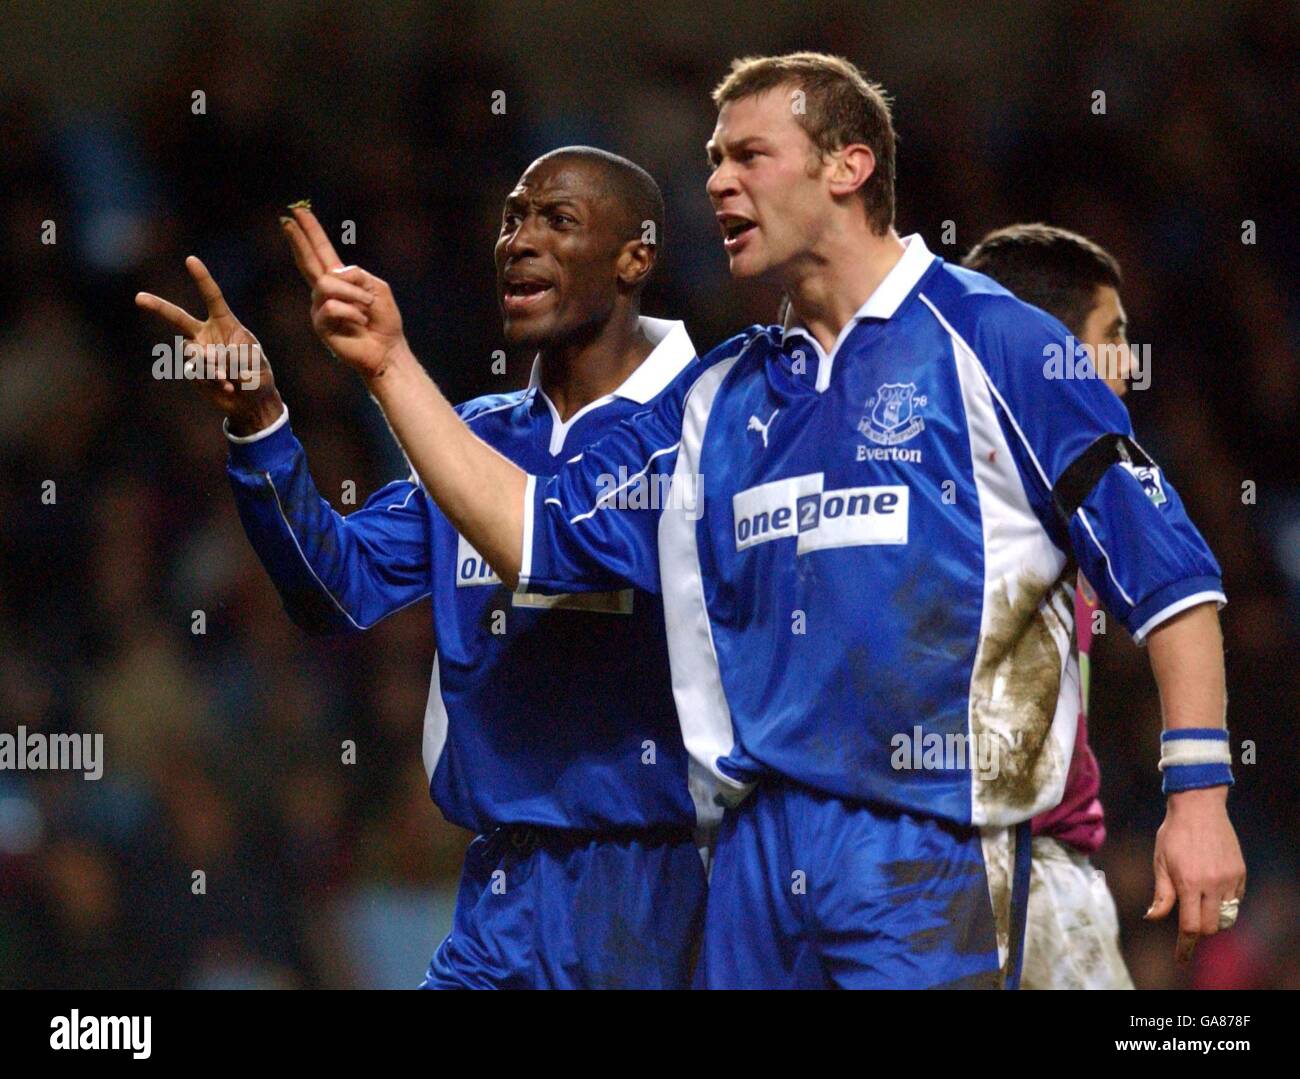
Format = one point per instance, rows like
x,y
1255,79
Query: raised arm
x,y
334,573
354,313
223,359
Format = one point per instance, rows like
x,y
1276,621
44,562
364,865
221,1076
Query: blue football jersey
x,y
866,579
546,710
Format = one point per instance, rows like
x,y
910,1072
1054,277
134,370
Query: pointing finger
x,y
208,289
1209,914
304,255
180,320
325,252
1189,922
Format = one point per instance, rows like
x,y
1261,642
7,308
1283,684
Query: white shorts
x,y
1072,935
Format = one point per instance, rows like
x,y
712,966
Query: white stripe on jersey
x,y
526,553
1018,553
435,723
702,706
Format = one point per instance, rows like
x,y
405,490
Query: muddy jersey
x,y
864,554
1079,820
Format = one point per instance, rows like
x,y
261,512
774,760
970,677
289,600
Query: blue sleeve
x,y
1130,535
594,525
335,574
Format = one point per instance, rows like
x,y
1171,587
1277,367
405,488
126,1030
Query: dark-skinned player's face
x,y
558,254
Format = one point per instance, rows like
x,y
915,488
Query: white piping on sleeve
x,y
405,501
1177,607
310,569
1106,557
489,411
632,478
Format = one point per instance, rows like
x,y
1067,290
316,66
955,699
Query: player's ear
x,y
636,259
850,168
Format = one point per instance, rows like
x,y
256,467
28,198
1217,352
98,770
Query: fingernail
x,y
286,220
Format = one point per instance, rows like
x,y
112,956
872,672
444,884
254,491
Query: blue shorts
x,y
809,891
544,909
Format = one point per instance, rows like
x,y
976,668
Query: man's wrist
x,y
263,413
399,360
1197,799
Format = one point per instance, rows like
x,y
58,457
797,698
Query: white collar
x,y
884,301
673,350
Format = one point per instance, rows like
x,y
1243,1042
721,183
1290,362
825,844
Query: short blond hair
x,y
842,107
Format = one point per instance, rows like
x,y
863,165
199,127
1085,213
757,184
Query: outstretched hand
x,y
221,356
352,311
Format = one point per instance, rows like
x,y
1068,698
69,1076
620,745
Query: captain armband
x,y
1085,472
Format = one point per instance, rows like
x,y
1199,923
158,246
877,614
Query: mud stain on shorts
x,y
962,921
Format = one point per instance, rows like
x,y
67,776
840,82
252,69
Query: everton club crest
x,y
889,418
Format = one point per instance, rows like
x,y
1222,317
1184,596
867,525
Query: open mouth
x,y
734,229
521,295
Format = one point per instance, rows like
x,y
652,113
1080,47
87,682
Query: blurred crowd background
x,y
223,750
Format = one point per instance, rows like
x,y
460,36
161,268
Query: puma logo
x,y
755,424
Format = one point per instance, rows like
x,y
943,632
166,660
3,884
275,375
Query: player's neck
x,y
575,374
838,277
